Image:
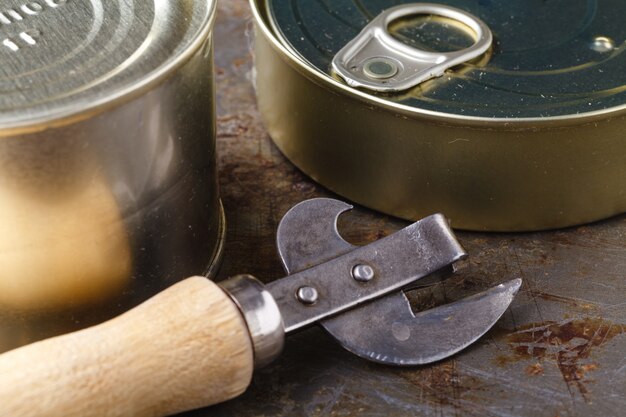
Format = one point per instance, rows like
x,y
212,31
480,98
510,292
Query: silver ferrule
x,y
262,316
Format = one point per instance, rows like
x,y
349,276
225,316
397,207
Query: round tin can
x,y
530,135
108,182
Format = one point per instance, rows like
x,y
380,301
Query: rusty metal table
x,y
558,351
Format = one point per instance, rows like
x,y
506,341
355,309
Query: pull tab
x,y
377,61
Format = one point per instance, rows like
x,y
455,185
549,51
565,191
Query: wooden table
x,y
558,351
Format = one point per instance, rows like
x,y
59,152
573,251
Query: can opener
x,y
197,343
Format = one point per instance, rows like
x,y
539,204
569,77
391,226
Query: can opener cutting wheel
x,y
196,343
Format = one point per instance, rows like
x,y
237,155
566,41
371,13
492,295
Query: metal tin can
x,y
108,182
530,135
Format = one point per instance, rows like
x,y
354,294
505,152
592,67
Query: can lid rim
x,y
326,80
85,109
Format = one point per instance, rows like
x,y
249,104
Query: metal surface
x,y
414,252
65,60
270,312
559,349
385,330
403,66
307,295
262,316
531,139
363,273
392,334
107,159
544,62
298,250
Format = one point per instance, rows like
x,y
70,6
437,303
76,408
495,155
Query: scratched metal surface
x,y
559,351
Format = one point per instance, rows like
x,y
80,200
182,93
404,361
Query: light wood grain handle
x,y
185,348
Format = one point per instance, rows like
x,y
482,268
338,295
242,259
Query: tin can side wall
x,y
494,177
102,214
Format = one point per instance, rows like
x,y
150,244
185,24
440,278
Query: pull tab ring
x,y
377,61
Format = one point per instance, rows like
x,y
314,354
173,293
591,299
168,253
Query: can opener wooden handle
x,y
197,343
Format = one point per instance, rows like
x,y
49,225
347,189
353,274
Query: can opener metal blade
x,y
197,343
384,331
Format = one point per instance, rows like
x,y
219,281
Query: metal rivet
x,y
363,273
307,295
380,68
602,44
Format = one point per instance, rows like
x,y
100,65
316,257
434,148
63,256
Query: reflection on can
x,y
108,182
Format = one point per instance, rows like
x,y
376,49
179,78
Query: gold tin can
x,y
531,135
108,182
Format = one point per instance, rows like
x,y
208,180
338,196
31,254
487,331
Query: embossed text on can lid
x,y
65,58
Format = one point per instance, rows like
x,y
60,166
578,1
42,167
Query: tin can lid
x,y
63,58
551,59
